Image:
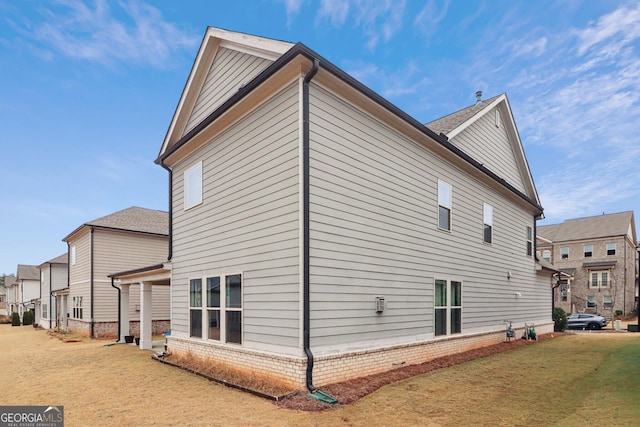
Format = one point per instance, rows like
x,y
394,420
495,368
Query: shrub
x,y
27,318
15,319
618,312
559,319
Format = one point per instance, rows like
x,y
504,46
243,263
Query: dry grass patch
x,y
250,381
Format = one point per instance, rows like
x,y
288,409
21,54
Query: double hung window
x,y
448,307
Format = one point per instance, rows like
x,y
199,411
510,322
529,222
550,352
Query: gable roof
x,y
456,123
28,272
214,39
592,227
9,279
448,123
136,219
173,141
60,259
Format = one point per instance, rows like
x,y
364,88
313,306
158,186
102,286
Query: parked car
x,y
583,320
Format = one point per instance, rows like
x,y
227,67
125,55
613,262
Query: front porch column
x,y
124,312
145,316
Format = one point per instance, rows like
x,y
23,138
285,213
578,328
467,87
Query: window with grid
x,y
448,307
599,279
195,310
218,306
529,241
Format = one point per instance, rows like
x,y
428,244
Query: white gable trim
x,y
501,104
213,39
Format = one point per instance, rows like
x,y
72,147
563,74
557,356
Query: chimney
x,y
478,97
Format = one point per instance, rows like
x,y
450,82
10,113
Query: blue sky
x,y
88,88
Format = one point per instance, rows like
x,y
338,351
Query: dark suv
x,y
589,321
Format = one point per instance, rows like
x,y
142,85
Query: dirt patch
x,y
350,391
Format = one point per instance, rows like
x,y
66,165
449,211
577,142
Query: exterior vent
x,y
379,304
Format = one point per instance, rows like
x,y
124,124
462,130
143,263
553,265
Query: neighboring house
x,y
3,301
54,276
11,294
319,233
126,239
26,289
600,253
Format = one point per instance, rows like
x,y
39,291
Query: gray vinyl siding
x,y
374,233
160,305
116,251
82,268
247,223
229,71
489,144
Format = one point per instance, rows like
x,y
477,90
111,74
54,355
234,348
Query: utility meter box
x,y
379,304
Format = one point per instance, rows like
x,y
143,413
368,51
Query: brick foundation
x,y
338,367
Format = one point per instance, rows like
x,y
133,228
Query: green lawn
x,y
586,379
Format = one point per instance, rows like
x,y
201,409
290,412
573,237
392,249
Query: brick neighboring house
x,y
600,253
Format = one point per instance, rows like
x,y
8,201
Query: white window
x,y
599,279
529,241
591,302
444,206
217,306
588,251
44,311
77,307
448,307
193,186
546,255
72,255
487,215
607,301
611,248
564,253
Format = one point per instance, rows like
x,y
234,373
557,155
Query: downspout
x,y
93,335
50,291
66,311
306,276
168,169
624,288
119,309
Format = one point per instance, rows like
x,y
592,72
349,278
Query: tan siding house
x,y
127,239
53,277
319,233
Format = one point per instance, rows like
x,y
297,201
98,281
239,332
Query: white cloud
x,y
623,23
292,7
336,10
407,79
428,18
94,33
